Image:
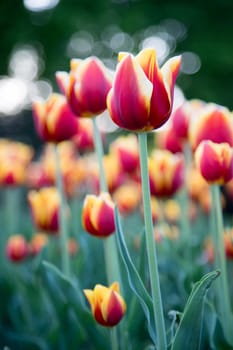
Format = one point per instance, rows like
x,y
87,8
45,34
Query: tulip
x,y
44,205
126,149
166,173
14,160
127,197
54,120
98,215
17,248
212,122
37,243
107,305
168,140
86,86
215,161
181,117
142,94
84,139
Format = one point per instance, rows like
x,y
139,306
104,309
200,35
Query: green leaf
x,y
134,279
71,307
188,334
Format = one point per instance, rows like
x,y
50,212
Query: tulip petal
x,y
129,99
63,80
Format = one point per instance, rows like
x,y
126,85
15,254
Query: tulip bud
x,y
44,205
16,248
166,173
86,86
98,215
215,161
107,305
212,122
54,120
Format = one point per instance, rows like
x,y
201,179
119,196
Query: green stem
x,y
100,154
150,245
110,247
65,261
223,299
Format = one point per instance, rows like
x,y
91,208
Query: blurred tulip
x,y
37,243
107,305
212,122
86,86
54,120
181,117
168,140
166,173
84,139
16,248
14,160
44,205
172,211
98,215
198,189
215,161
127,197
127,151
142,94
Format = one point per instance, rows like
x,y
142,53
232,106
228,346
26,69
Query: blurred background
x,y
39,37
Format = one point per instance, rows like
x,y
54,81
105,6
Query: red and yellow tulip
x,y
14,160
86,86
212,122
127,151
54,120
17,248
98,215
215,161
166,173
44,205
107,305
142,94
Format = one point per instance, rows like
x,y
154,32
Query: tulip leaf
x,y
70,305
188,334
134,279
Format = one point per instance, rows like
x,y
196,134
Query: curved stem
x,y
150,244
65,261
223,298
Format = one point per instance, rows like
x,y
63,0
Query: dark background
x,y
207,32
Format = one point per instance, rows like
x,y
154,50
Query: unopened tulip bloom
x,y
54,120
212,122
84,139
17,248
181,117
166,173
127,197
107,305
215,161
86,86
168,140
126,149
142,94
14,160
98,215
37,243
44,205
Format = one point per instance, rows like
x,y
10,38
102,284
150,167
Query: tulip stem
x,y
150,245
100,155
223,299
65,261
110,247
